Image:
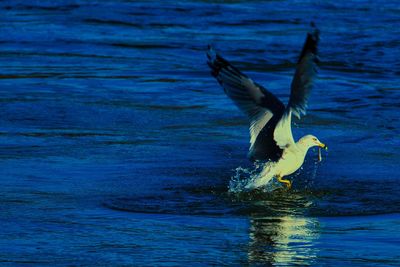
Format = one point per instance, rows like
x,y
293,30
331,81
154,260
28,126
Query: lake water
x,y
117,146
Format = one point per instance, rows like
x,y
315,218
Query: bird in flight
x,y
271,136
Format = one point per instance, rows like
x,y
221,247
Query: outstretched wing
x,y
262,107
300,89
305,72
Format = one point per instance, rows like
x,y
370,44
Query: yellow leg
x,y
284,181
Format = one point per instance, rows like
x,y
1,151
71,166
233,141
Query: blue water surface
x,y
117,146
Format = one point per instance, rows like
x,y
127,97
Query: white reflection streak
x,y
283,240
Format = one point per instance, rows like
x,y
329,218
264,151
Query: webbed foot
x,y
284,181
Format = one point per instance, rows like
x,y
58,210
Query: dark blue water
x,y
117,146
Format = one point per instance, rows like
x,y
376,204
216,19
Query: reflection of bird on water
x,y
270,121
283,240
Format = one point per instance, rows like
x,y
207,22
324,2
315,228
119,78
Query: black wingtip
x,y
314,32
210,52
212,61
311,43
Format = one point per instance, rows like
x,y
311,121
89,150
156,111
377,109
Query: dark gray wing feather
x,y
305,72
300,89
262,107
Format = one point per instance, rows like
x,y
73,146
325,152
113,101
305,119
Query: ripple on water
x,y
344,198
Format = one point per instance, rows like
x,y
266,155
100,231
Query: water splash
x,y
244,179
240,179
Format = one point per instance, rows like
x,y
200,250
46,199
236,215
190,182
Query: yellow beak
x,y
321,145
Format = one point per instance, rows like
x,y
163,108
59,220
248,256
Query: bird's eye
x,y
315,139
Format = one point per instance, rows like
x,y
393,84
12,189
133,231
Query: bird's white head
x,y
309,141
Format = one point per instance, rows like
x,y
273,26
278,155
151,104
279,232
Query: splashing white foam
x,y
248,179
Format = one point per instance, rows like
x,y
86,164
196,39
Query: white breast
x,y
291,161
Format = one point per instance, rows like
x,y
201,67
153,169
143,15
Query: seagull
x,y
271,138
